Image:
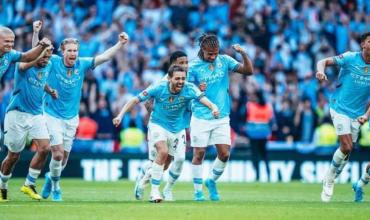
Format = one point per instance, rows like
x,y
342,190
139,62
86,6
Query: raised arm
x,y
37,25
25,66
321,65
246,67
126,108
109,54
205,101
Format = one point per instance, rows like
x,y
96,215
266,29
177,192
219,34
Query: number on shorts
x,y
176,142
183,139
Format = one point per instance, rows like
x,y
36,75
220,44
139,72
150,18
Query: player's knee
x,y
162,152
44,150
346,147
13,157
58,156
224,156
198,158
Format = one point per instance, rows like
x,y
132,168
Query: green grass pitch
x,y
105,200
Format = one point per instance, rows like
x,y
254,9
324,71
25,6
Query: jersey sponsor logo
x,y
35,82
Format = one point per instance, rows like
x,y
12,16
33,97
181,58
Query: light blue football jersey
x,y
216,76
8,58
169,108
68,82
353,86
28,94
187,113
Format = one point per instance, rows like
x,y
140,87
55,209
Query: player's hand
x,y
37,25
45,42
202,86
215,112
238,48
123,38
362,119
54,93
321,76
117,121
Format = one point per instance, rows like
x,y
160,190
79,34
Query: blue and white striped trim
x,y
336,165
174,176
31,179
156,182
198,180
216,172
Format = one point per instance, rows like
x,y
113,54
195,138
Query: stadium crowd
x,y
284,39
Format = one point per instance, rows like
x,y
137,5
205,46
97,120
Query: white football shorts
x,y
19,126
176,142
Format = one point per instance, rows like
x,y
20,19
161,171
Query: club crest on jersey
x,y
171,99
39,75
366,69
69,73
76,72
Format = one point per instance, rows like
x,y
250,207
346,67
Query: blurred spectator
x,y
259,127
132,139
103,116
325,137
364,139
305,120
87,127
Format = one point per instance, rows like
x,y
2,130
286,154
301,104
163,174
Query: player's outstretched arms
x,y
37,25
126,108
109,54
321,65
247,66
205,101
